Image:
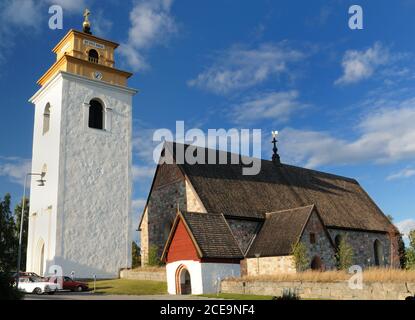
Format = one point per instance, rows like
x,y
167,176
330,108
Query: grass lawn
x,y
234,296
129,287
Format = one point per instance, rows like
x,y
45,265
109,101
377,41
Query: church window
x,y
378,250
93,56
46,119
96,115
337,241
312,238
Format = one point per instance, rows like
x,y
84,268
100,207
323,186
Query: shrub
x,y
7,291
410,252
288,294
153,256
344,255
136,257
301,260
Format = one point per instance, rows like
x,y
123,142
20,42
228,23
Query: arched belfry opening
x,y
96,115
93,56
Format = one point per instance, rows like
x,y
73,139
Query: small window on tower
x,y
312,238
96,115
93,56
46,119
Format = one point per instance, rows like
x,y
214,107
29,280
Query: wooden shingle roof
x,y
212,235
280,231
341,201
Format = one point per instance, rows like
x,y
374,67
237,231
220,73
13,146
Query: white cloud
x,y
20,14
151,24
240,67
271,106
360,65
69,5
405,173
138,205
385,135
405,226
14,168
28,16
143,172
100,25
143,144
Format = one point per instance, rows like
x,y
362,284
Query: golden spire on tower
x,y
87,25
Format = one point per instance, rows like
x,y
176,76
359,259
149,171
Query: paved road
x,y
92,296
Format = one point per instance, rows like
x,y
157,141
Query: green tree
x,y
7,291
410,252
401,252
344,255
8,240
18,215
301,260
153,256
136,261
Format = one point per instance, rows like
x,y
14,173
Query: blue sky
x,y
343,100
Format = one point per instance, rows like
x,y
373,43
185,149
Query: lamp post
x,y
19,253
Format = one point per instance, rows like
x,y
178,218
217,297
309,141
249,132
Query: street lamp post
x,y
19,253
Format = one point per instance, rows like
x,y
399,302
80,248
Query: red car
x,y
72,285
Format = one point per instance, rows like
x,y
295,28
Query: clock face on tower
x,y
97,75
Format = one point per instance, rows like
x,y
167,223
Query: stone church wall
x,y
338,290
268,266
168,194
363,245
243,231
322,247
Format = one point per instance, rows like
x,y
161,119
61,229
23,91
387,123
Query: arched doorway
x,y
40,257
378,250
183,281
316,264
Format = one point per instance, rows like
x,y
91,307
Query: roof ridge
x,y
311,206
283,164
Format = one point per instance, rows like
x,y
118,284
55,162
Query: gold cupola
x,y
84,54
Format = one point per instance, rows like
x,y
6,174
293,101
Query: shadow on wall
x,y
79,271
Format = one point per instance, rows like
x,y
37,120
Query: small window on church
x,y
312,238
46,119
93,56
96,115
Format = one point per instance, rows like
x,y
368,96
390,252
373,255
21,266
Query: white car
x,y
37,286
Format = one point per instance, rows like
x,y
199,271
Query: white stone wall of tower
x,y
43,200
93,189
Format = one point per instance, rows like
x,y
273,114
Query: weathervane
x,y
87,25
275,156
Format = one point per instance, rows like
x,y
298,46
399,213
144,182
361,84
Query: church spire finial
x,y
86,24
275,156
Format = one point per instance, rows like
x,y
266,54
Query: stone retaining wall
x,y
144,275
323,290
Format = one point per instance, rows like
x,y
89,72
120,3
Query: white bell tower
x,y
81,218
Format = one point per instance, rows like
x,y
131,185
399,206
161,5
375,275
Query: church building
x,y
80,213
209,221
